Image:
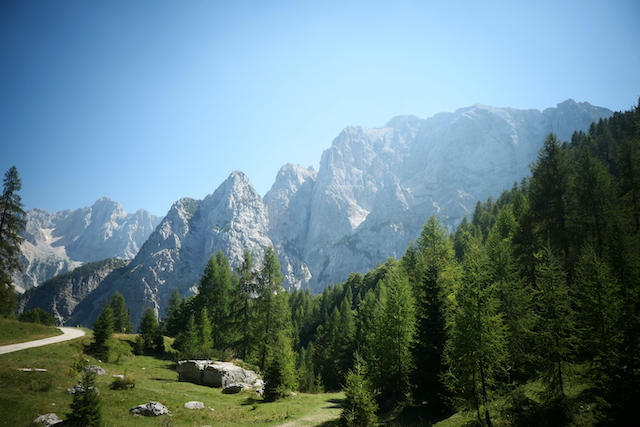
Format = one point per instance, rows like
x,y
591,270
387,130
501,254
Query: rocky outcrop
x,y
49,419
59,242
215,374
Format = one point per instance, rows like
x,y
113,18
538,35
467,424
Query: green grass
x,y
25,395
12,331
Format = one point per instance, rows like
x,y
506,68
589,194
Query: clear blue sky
x,y
149,101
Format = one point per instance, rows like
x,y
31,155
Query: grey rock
x,y
151,409
194,404
79,388
48,419
95,369
214,374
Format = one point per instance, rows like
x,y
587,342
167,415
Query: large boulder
x,y
214,374
151,409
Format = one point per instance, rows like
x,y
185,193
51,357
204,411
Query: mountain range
x,y
368,200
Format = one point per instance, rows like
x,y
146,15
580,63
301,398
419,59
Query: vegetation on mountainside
x,y
529,314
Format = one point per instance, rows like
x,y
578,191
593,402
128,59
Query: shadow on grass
x,y
337,403
421,415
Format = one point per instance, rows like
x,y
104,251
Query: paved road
x,y
67,334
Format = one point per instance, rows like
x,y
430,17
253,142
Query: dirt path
x,y
321,415
67,334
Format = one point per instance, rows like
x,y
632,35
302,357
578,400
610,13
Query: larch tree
x,y
476,348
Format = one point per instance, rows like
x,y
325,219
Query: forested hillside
x,y
527,315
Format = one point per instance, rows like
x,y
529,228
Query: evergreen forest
x,y
528,314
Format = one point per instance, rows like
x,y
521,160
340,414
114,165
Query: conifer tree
x,y
427,264
121,320
359,409
12,222
476,348
391,337
86,408
556,327
512,292
149,331
243,316
281,377
205,333
273,313
187,341
102,332
174,319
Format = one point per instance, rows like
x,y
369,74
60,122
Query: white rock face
x,y
374,190
59,242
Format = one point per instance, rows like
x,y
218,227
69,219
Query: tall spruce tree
x,y
12,222
149,331
427,265
102,332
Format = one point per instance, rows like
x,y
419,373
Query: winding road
x,y
67,334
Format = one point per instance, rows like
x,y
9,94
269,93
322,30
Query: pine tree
x,y
86,408
280,373
187,341
220,310
102,332
360,399
121,321
12,222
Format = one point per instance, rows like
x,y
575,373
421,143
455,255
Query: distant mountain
x,y
369,199
59,242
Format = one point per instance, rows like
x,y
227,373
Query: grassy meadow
x,y
25,395
13,332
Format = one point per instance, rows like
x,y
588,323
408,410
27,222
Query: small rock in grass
x,y
48,419
194,404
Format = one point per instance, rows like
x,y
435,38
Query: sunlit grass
x,y
12,331
25,395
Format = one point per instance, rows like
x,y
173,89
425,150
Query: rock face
x,y
374,190
215,374
61,294
59,242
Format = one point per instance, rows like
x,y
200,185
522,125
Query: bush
x,y
125,383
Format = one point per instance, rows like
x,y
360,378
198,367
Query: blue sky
x,y
150,101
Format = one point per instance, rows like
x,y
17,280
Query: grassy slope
x,y
12,331
25,395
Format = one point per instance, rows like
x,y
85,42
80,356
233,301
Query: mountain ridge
x,y
370,197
